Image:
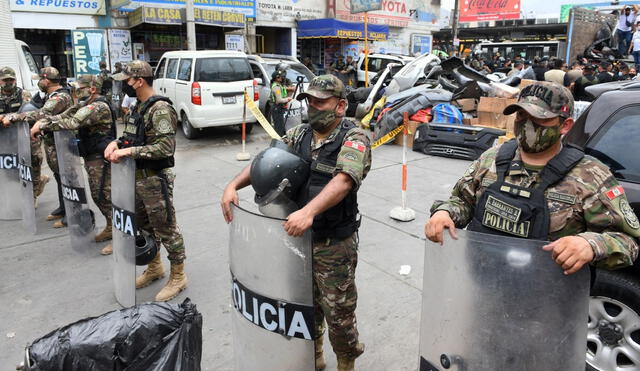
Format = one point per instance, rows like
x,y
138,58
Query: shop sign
x,y
393,13
89,49
422,44
289,10
234,42
146,14
218,18
120,49
487,10
359,6
246,7
354,34
90,7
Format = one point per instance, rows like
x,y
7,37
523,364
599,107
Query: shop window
x,y
184,72
160,69
172,68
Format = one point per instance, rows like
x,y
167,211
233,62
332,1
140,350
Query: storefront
x,y
324,39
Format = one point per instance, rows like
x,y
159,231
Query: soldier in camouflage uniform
x,y
589,219
11,99
93,119
56,101
106,82
152,148
340,157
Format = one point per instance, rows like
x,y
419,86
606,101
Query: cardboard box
x,y
490,112
466,105
412,133
471,122
525,82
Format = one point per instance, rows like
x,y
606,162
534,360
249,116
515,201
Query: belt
x,y
145,173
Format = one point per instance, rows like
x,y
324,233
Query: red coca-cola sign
x,y
487,10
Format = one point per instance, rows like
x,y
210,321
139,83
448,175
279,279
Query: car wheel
x,y
613,337
189,131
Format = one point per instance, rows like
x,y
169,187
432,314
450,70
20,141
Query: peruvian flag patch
x,y
615,192
355,145
565,108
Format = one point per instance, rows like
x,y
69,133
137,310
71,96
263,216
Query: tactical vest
x,y
283,93
12,105
341,220
140,139
510,210
95,143
107,82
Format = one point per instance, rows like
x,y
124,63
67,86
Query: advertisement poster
x,y
234,42
89,49
488,10
565,9
392,13
89,7
289,10
422,44
332,48
359,6
120,48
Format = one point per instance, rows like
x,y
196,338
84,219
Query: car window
x,y
222,70
617,144
374,64
184,72
293,71
172,68
160,69
31,62
257,72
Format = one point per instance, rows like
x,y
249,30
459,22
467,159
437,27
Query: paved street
x,y
45,284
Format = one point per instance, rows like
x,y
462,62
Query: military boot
x,y
154,271
107,250
320,363
348,364
177,282
62,223
56,214
105,235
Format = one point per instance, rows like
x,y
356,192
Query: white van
x,y
206,87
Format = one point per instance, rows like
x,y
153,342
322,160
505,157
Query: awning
x,y
333,28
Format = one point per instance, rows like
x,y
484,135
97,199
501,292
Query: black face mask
x,y
128,90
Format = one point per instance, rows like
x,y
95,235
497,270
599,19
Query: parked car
x,y
377,63
608,130
264,66
206,88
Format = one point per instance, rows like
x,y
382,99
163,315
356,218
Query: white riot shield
x,y
80,219
26,177
272,293
123,198
10,201
501,303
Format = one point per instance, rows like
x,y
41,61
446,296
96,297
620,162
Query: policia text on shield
x,y
534,187
336,156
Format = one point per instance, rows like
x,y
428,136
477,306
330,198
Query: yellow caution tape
x,y
261,119
392,134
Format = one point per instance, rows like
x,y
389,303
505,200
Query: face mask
x,y
9,87
320,120
42,86
534,138
83,94
128,90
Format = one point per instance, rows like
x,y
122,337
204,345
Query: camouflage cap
x,y
543,100
50,73
134,69
7,73
323,87
87,80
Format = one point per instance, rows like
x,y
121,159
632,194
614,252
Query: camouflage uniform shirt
x,y
588,203
354,158
161,123
95,116
57,102
11,103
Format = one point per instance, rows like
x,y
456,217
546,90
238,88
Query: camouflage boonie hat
x,y
543,100
7,73
50,73
323,87
87,80
134,69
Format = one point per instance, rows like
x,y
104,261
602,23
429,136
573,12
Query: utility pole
x,y
191,26
456,17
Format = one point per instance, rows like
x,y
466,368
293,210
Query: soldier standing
x,y
93,120
279,99
534,187
56,101
106,82
340,158
150,139
11,100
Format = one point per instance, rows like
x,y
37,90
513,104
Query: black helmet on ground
x,y
146,248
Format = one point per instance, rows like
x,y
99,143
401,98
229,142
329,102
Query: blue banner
x,y
333,28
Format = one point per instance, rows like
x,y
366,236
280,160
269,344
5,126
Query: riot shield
x,y
123,198
80,219
10,202
26,177
501,303
272,293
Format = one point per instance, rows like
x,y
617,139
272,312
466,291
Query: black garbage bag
x,y
152,336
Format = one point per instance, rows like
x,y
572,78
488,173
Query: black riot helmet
x,y
146,248
278,169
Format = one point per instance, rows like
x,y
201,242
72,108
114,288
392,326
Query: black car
x,y
609,129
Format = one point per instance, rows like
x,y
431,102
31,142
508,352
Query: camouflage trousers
x,y
36,164
155,212
51,155
99,173
335,294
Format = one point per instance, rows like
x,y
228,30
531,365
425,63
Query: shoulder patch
x,y
628,213
614,192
